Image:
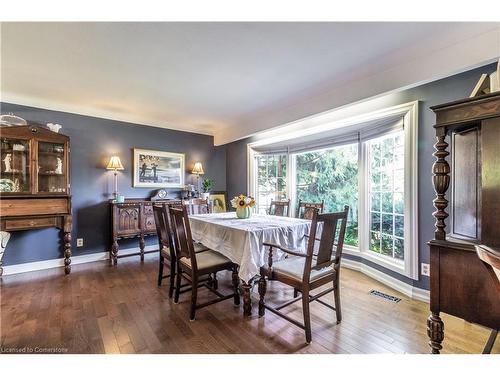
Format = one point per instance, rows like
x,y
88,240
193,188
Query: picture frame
x,y
218,201
158,169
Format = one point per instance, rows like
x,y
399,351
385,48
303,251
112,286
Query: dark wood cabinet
x,y
460,283
34,182
132,219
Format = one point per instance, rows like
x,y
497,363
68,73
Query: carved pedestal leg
x,y
441,181
236,284
114,252
247,302
68,225
435,331
262,293
142,245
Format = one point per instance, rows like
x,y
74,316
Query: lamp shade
x,y
115,164
198,168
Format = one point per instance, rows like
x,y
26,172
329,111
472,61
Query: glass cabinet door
x,y
15,166
51,168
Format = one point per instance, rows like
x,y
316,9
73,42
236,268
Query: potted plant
x,y
206,186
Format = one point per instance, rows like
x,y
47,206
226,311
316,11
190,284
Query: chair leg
x,y
262,293
491,342
160,271
215,282
295,292
236,284
307,315
178,281
194,295
173,270
336,294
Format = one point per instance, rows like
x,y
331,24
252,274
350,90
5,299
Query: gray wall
x,y
93,140
445,90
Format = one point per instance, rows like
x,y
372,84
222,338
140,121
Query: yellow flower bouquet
x,y
243,205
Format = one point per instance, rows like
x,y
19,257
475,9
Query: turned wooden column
x,y
441,182
67,227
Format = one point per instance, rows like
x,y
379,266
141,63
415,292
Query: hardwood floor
x,y
103,309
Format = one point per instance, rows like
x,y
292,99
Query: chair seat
x,y
208,260
293,267
198,248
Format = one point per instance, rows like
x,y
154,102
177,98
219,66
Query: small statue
x,y
59,169
7,161
54,127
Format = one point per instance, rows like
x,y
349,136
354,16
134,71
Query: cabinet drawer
x,y
40,206
23,224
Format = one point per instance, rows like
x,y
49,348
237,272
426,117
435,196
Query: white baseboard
x,y
408,290
78,259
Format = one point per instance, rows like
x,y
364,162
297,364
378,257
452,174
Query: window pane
x,y
331,175
271,180
386,194
399,225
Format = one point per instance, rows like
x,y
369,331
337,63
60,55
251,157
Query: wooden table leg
x,y
247,301
68,225
142,245
435,331
114,251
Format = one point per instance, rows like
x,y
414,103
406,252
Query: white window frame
x,y
409,113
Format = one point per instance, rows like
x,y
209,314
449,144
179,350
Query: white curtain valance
x,y
332,138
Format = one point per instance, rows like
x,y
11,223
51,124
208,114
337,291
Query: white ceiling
x,y
224,79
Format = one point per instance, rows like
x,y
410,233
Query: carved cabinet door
x,y
149,220
128,220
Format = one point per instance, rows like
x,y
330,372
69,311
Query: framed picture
x,y
218,201
158,169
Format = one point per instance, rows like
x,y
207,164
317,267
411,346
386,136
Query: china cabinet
x,y
34,183
467,184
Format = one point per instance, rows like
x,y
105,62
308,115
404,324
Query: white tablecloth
x,y
241,239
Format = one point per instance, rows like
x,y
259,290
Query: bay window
x,y
370,165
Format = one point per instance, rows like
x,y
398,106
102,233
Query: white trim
x,y
79,259
402,287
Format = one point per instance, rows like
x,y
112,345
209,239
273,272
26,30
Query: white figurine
x,y
7,161
59,169
54,127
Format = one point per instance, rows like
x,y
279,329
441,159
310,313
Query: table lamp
x,y
198,170
115,165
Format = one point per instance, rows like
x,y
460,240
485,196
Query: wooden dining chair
x,y
199,206
491,259
305,210
166,244
279,208
193,266
307,271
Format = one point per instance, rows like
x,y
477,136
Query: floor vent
x,y
384,296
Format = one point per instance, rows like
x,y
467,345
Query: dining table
x,y
242,241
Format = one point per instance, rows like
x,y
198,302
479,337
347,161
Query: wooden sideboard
x,y
132,219
460,283
34,191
